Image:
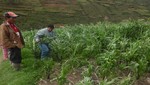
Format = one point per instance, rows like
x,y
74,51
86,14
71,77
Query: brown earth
x,y
75,11
144,80
75,76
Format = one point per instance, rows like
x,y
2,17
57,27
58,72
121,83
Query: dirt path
x,y
144,80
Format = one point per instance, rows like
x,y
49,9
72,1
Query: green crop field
x,y
96,54
98,42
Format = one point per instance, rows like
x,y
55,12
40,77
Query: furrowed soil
x,y
59,12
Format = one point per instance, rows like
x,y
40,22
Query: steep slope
x,y
33,12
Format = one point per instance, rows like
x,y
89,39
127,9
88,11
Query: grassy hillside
x,y
38,13
101,54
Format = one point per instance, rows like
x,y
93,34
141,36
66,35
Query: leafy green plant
x,y
88,71
108,82
47,65
64,71
85,81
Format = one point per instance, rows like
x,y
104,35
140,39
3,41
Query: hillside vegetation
x,y
100,54
89,50
38,13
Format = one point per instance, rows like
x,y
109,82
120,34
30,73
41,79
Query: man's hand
x,y
37,40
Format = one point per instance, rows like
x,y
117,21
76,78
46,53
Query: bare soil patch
x,y
144,80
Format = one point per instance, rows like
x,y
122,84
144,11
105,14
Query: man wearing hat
x,y
11,39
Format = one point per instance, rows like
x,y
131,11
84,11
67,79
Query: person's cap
x,y
11,14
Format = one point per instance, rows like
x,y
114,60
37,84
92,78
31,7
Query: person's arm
x,y
5,41
37,38
39,35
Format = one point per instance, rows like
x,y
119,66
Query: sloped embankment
x,y
33,12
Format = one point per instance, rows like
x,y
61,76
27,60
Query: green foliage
x,y
108,82
64,71
114,48
47,66
88,71
26,76
86,81
133,30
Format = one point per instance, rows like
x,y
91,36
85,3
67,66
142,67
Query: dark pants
x,y
15,55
